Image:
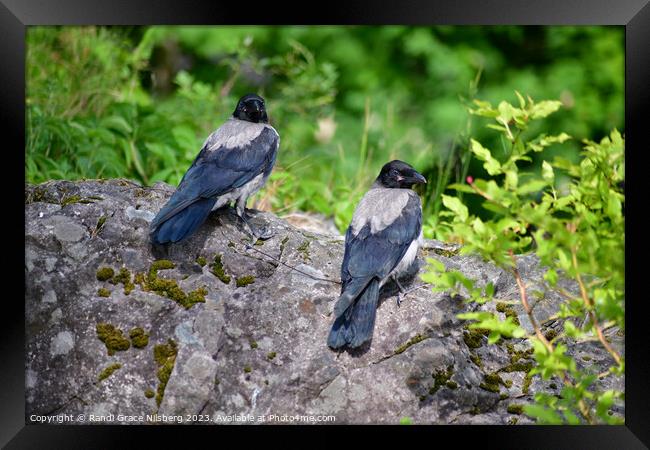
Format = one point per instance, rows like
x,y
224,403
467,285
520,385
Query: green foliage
x,y
137,102
406,421
571,217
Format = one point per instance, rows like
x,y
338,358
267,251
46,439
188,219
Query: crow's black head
x,y
251,108
398,174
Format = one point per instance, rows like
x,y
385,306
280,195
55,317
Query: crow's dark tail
x,y
184,223
355,324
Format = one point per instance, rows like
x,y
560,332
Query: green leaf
x,y
512,179
564,261
461,188
436,265
544,108
492,166
542,414
117,123
531,186
507,112
479,226
547,172
489,289
137,161
571,330
551,276
455,205
522,102
614,206
497,127
185,138
571,418
495,208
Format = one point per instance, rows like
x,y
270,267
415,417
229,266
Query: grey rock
x,y
257,349
62,343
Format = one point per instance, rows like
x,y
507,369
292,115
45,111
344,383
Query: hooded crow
x,y
234,163
381,243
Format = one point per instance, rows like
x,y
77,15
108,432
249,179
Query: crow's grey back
x,y
380,206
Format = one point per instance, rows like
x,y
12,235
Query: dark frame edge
x,y
12,123
12,117
637,373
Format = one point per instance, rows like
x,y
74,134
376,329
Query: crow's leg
x,y
261,233
402,292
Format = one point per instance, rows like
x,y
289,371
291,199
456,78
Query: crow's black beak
x,y
417,178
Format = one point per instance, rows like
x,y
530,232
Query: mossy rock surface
x,y
422,363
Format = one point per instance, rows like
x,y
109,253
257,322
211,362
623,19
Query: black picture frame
x,y
634,15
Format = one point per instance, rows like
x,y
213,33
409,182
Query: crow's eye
x,y
394,173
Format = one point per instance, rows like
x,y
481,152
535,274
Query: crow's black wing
x,y
216,172
374,255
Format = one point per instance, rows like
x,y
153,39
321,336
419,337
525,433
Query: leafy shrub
x,y
577,231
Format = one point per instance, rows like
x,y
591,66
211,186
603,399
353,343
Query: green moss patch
x,y
491,382
414,340
169,288
160,264
76,199
152,282
112,337
201,261
245,280
123,277
271,355
520,361
519,367
139,338
550,334
103,292
105,273
149,393
508,311
217,269
252,343
476,360
473,337
107,372
194,297
441,377
165,357
514,408
526,384
39,195
248,369
303,249
446,252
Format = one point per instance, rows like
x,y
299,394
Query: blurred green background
x,y
138,102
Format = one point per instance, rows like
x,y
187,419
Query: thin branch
x,y
589,305
538,332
